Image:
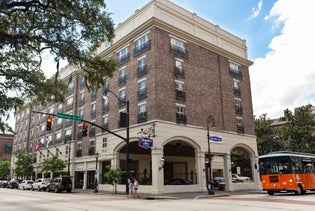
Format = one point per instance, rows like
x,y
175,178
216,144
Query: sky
x,y
280,38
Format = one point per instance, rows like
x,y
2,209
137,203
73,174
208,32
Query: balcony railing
x,y
105,107
142,117
240,129
181,118
180,95
238,110
142,48
92,132
236,73
237,91
179,73
179,51
122,80
121,60
142,70
79,153
142,94
93,114
93,95
92,151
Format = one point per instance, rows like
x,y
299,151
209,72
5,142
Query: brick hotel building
x,y
175,69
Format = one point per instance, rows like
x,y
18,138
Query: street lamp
x,y
125,139
208,165
96,183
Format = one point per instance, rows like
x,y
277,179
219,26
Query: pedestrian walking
x,y
130,185
135,189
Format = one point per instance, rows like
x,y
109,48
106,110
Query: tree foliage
x,y
297,133
267,138
5,169
23,164
68,29
52,164
113,175
299,130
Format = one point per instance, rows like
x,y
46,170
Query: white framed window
x,y
180,109
143,108
179,64
105,120
122,94
236,85
122,73
179,85
142,41
234,67
178,43
123,53
104,142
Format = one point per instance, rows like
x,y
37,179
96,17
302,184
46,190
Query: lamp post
x,y
96,183
125,139
208,165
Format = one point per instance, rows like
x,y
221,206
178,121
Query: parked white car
x,y
26,185
237,178
40,184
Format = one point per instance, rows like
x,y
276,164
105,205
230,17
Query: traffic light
x,y
48,125
84,130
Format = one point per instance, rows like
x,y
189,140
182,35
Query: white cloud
x,y
285,77
256,11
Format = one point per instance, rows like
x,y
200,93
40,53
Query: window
x,y
69,104
60,107
180,94
92,148
235,70
107,44
79,151
123,55
68,133
180,115
142,44
93,93
105,105
122,76
81,98
93,110
142,116
58,138
238,107
141,67
104,143
142,89
179,72
237,90
59,123
122,97
106,86
178,47
105,122
239,125
70,87
82,82
81,112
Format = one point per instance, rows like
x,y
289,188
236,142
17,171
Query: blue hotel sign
x,y
215,139
145,142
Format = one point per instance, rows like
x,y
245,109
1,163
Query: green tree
x,y
299,130
23,164
5,169
53,164
68,29
268,139
113,175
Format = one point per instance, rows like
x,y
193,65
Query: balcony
x,y
122,101
81,101
180,95
105,125
142,48
179,73
142,94
179,51
93,95
142,117
142,70
181,118
92,132
236,73
123,59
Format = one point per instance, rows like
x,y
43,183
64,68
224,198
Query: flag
x,y
38,145
47,141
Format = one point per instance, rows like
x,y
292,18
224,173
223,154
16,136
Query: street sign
x,y
145,143
215,139
69,116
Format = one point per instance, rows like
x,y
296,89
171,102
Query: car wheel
x,y
56,190
32,188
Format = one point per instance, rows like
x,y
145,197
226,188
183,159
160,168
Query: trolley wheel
x,y
270,193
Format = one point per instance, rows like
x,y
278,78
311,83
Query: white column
x,y
157,171
201,170
227,172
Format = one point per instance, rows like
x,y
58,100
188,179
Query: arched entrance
x,y
180,163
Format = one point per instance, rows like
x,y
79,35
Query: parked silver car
x,y
40,184
26,185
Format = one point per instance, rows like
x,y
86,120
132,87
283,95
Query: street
x,y
34,200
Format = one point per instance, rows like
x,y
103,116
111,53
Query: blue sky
x,y
280,41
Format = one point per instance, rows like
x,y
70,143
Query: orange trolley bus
x,y
287,171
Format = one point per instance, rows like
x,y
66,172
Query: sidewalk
x,y
186,195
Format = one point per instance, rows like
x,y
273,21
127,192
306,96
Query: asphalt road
x,y
245,201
